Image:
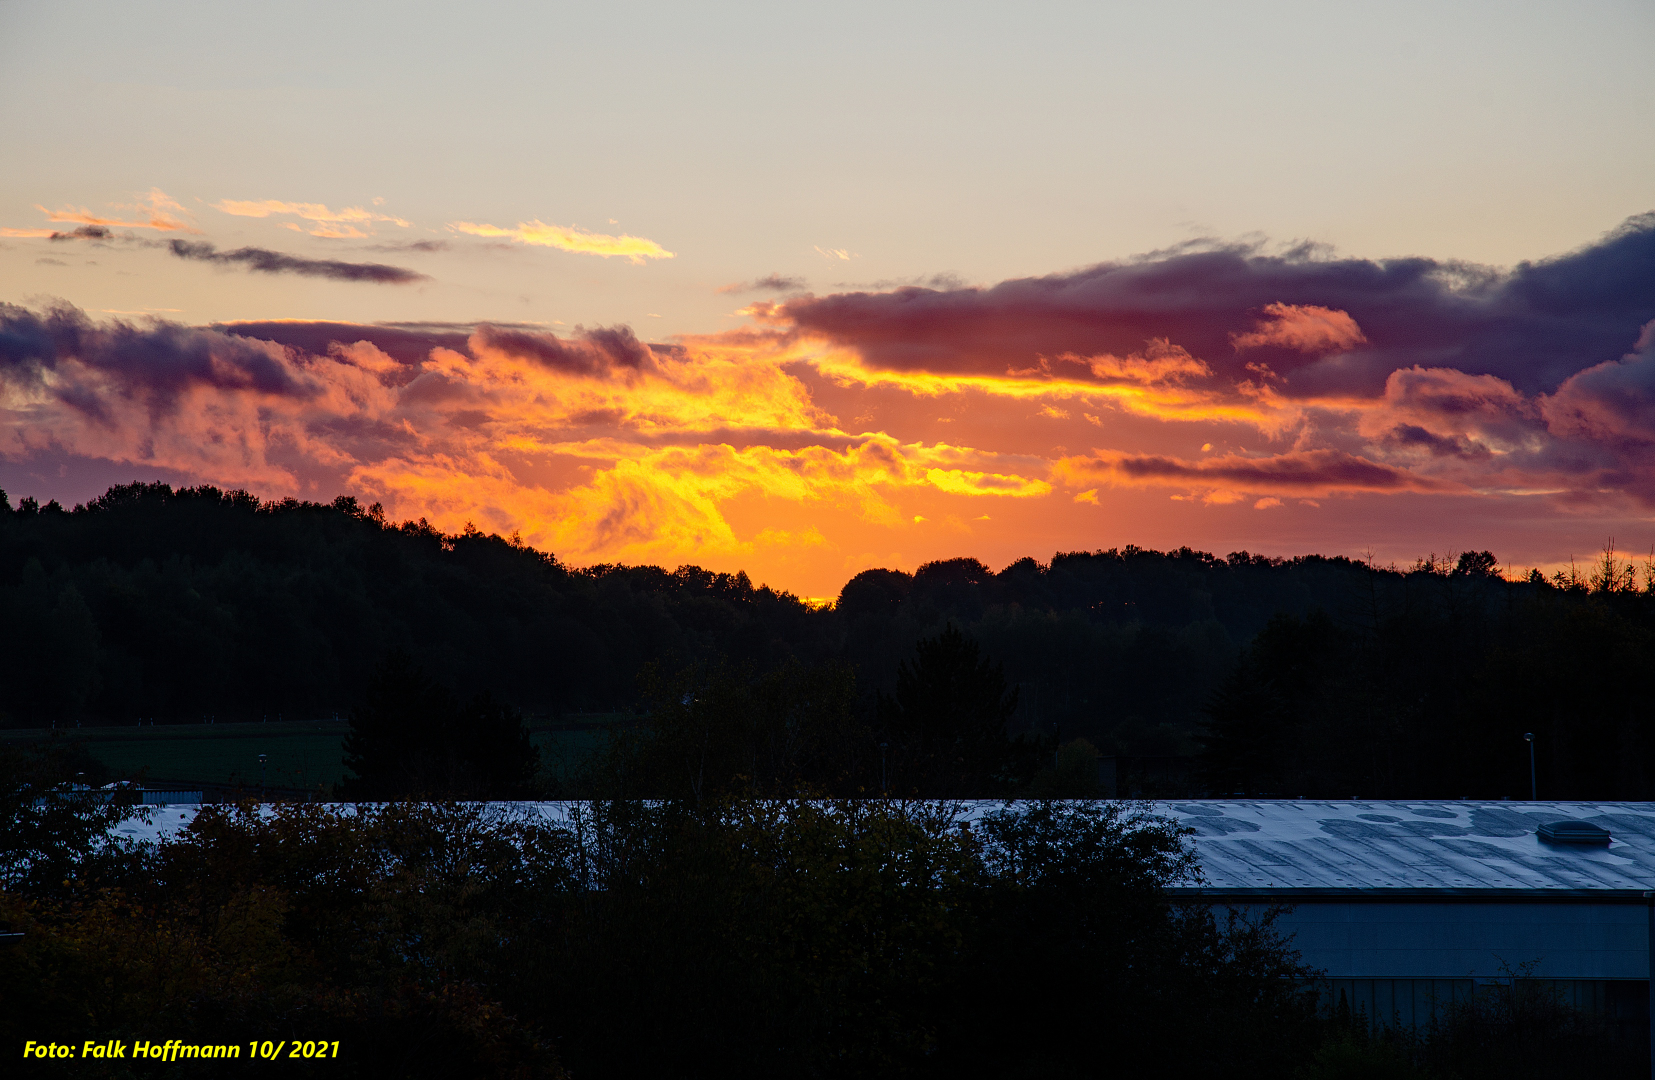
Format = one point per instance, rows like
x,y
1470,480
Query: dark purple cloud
x,y
1414,437
1296,472
1612,403
423,246
1534,325
265,261
592,353
407,343
768,283
154,363
85,232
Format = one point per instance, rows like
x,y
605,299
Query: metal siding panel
x,y
1470,940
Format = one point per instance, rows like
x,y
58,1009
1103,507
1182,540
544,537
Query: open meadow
x,y
301,756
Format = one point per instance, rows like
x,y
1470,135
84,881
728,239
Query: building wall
x,y
1471,940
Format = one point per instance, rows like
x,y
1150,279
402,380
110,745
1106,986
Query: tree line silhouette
x,y
1315,676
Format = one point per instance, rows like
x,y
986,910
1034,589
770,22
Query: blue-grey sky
x,y
981,140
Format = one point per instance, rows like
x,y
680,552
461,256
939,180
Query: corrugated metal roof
x,y
1393,847
1381,850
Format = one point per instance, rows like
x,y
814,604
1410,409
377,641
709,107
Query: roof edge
x,y
1386,895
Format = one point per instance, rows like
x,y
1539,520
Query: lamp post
x,y
1534,789
882,786
261,777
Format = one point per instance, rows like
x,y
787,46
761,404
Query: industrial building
x,y
1407,905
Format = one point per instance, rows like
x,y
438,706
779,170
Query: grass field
x,y
300,755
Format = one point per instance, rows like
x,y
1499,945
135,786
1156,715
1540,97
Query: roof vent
x,y
1574,832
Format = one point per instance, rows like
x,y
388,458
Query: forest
x,y
726,899
1196,673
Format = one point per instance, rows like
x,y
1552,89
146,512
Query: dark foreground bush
x,y
741,938
1517,1028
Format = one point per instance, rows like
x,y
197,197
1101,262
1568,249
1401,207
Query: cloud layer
x,y
1299,312
886,427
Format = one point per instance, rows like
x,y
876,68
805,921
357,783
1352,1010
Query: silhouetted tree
x,y
171,604
1481,564
54,819
411,738
874,592
946,723
495,747
1072,774
1248,726
724,730
1082,967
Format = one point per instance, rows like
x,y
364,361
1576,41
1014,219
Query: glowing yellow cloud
x,y
1162,387
664,504
961,482
537,232
332,224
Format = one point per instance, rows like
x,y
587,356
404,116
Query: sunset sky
x,y
803,290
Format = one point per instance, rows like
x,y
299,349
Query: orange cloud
x,y
1307,328
1444,413
598,447
832,427
332,224
634,248
160,212
1612,402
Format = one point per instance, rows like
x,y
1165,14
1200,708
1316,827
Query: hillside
x,y
1301,676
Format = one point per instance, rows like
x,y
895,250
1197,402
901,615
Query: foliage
x,y
181,605
1305,676
1081,949
718,730
1429,694
1520,1028
1514,1028
736,937
411,737
377,929
946,723
54,819
1073,773
764,938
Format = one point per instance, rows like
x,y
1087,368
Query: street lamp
x,y
1534,789
261,777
